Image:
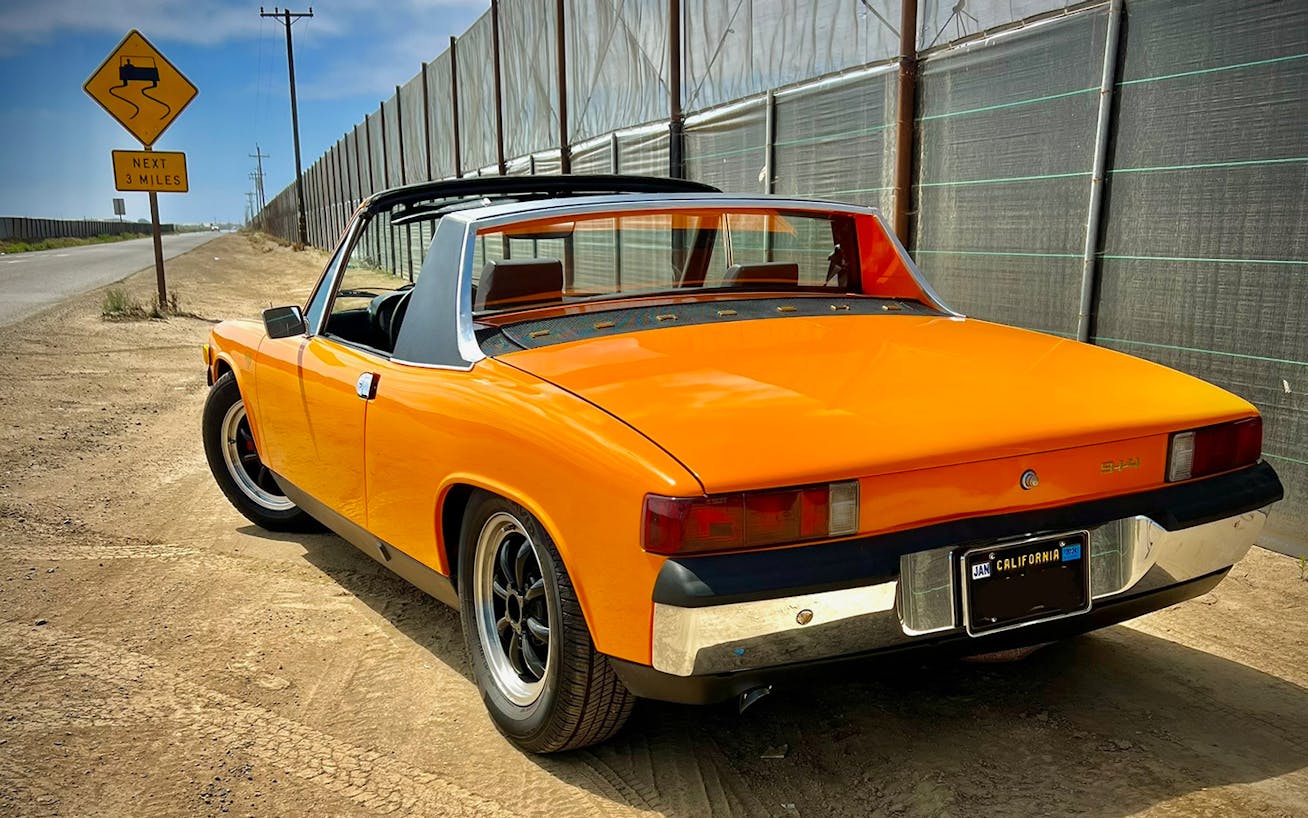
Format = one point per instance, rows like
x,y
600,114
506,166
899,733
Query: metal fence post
x,y
426,124
385,159
676,124
905,118
361,157
770,145
499,93
454,104
330,221
560,52
347,184
338,215
1107,87
387,253
308,207
318,195
404,175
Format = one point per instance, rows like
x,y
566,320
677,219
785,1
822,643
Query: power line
x,y
288,17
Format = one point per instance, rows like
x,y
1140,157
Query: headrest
x,y
772,273
508,283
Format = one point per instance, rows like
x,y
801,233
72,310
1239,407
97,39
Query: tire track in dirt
x,y
61,552
28,535
366,777
401,621
665,769
20,785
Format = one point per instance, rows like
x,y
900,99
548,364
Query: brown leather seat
x,y
508,283
762,273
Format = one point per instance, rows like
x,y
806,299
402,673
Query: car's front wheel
x,y
545,685
236,466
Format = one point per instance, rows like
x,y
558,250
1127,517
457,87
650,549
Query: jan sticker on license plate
x,y
1020,583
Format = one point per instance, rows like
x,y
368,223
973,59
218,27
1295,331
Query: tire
x,y
576,699
235,463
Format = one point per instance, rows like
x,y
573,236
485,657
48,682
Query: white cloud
x,y
377,65
28,24
34,22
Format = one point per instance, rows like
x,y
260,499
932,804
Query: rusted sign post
x,y
137,86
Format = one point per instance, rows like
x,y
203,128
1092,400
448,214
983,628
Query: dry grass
x,y
55,244
119,305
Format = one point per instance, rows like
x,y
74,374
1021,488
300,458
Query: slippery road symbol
x,y
139,69
140,88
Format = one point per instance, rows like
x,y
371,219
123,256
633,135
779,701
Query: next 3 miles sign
x,y
137,86
164,171
140,88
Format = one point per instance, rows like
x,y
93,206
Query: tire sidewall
x,y
225,394
520,723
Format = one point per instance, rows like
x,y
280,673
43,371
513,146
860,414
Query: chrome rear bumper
x,y
1128,556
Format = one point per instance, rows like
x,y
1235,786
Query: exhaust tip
x,y
752,696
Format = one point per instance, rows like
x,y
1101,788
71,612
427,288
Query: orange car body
x,y
935,416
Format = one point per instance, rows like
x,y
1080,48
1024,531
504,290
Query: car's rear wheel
x,y
546,687
234,460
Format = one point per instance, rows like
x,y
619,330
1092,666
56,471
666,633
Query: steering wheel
x,y
381,315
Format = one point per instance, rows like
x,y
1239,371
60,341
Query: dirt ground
x,y
160,656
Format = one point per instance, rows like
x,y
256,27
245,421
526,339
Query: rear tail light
x,y
754,519
1213,449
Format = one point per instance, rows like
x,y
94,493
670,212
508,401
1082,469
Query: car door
x,y
313,418
418,428
313,390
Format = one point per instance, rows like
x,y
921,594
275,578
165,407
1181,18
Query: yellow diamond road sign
x,y
140,88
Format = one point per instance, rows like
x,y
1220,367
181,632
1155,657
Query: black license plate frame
x,y
1013,584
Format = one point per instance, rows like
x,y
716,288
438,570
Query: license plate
x,y
1019,583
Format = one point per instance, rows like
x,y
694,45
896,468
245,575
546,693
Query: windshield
x,y
575,258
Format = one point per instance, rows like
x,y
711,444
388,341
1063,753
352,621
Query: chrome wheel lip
x,y
497,534
249,486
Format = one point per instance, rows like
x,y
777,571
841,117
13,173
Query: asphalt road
x,y
30,282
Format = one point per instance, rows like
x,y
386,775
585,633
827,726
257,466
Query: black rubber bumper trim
x,y
646,682
696,582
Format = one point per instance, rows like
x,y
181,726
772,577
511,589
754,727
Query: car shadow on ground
x,y
1107,724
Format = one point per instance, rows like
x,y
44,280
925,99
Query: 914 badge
x,y
1114,466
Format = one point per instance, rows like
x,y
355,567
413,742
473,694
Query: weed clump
x,y
119,306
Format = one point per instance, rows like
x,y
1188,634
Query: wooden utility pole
x,y
258,156
287,18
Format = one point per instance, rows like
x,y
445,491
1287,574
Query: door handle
x,y
366,386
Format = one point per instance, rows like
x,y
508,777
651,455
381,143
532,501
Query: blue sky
x,y
56,143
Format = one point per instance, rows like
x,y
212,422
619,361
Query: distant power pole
x,y
258,156
249,207
288,17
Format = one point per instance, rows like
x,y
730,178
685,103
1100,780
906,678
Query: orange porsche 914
x,y
654,440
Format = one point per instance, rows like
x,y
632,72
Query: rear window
x,y
617,255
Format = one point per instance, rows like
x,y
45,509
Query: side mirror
x,y
283,322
